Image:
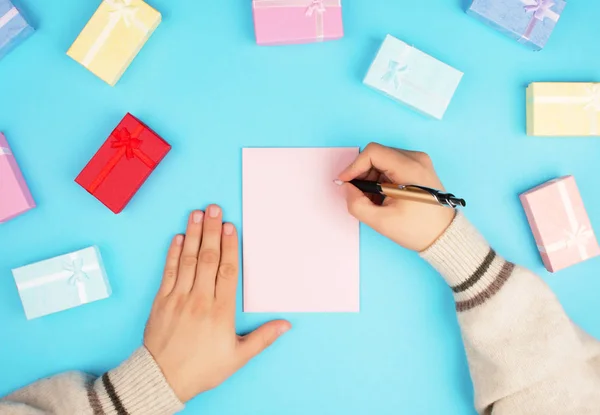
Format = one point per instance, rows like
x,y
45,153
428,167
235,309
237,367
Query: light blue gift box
x,y
412,77
13,27
62,282
530,22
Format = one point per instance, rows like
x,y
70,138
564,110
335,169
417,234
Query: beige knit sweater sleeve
x,y
137,387
525,356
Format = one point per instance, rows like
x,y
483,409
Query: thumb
x,y
359,205
254,343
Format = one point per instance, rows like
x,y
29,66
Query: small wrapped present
x,y
412,77
62,282
113,37
560,224
280,22
530,22
563,109
123,163
13,27
15,197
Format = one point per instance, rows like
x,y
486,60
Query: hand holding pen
x,y
415,226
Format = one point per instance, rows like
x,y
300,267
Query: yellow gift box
x,y
113,37
559,109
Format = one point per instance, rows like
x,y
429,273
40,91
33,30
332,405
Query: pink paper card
x,y
560,224
15,197
301,246
279,22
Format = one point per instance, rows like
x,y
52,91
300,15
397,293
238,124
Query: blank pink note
x,y
301,247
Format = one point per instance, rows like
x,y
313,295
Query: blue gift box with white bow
x,y
530,22
13,27
62,282
412,77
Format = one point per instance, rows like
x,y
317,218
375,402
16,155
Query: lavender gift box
x,y
530,22
13,27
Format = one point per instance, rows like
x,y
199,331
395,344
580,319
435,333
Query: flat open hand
x,y
191,330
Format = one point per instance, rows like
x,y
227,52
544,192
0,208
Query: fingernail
x,y
338,182
283,329
179,240
197,217
214,211
228,229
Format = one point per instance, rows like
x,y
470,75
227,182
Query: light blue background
x,y
205,86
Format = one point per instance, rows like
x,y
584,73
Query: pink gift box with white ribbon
x,y
15,197
280,22
560,224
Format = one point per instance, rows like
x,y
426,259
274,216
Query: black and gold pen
x,y
411,192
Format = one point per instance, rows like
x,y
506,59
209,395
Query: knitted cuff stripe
x,y
494,276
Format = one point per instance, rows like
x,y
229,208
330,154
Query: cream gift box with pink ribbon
x,y
62,282
560,223
563,109
280,22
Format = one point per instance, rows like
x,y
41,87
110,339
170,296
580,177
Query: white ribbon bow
x,y
119,10
122,9
578,238
316,6
542,9
594,98
395,74
76,267
398,68
78,277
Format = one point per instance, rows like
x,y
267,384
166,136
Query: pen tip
x,y
338,182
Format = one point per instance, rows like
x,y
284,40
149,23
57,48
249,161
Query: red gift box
x,y
123,163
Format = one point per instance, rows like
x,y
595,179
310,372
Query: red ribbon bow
x,y
122,138
128,145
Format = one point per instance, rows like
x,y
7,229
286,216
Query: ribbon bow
x,y
118,10
580,237
395,73
541,9
76,267
122,138
122,9
594,98
316,6
128,145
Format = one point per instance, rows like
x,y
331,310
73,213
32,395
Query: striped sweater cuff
x,y
472,269
136,387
